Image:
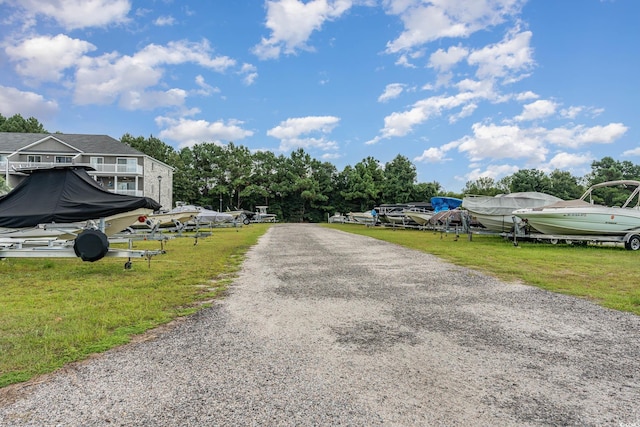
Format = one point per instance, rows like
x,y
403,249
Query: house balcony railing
x,y
137,193
109,168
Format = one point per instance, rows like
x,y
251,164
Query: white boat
x,y
361,217
165,219
495,213
582,217
421,218
204,216
116,223
110,226
337,218
261,215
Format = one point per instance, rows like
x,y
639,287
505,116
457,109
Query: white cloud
x,y
292,22
466,111
45,58
76,14
443,60
506,59
428,21
568,161
205,88
190,132
571,112
27,104
400,124
391,91
403,61
104,79
579,135
292,132
148,100
537,110
526,96
432,155
494,172
164,21
499,142
250,73
490,141
632,152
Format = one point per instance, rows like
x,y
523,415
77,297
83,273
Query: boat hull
x,y
604,221
498,223
167,219
421,218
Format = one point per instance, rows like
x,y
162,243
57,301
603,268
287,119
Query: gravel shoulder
x,y
323,327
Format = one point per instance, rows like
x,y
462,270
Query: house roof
x,y
88,144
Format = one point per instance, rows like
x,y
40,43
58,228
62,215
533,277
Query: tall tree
x,y
237,169
364,184
530,180
424,191
152,147
565,185
4,188
483,186
17,123
399,179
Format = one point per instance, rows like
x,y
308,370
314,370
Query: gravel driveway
x,y
324,328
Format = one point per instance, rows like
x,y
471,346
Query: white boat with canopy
x,y
584,217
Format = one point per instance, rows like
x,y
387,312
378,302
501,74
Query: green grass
x,y
56,311
606,275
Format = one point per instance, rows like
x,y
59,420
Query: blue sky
x,y
463,89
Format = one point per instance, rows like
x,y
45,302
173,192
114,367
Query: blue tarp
x,y
445,203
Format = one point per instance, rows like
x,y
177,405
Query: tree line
x,y
299,187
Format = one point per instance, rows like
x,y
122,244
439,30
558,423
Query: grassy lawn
x,y
55,311
606,275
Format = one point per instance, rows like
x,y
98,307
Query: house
x,y
117,167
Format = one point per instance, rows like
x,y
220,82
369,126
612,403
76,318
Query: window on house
x,y
34,159
127,165
97,163
63,159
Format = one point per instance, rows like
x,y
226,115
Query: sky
x,y
462,88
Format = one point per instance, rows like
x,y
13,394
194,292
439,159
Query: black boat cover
x,y
63,195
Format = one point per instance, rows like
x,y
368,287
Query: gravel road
x,y
326,328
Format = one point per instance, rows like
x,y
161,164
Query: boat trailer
x,y
90,245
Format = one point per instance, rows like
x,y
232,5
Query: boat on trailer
x,y
495,213
584,217
582,220
67,201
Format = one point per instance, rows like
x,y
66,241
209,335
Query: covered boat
x,y
442,203
68,195
495,213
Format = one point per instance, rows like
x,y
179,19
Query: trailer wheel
x,y
633,244
554,241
